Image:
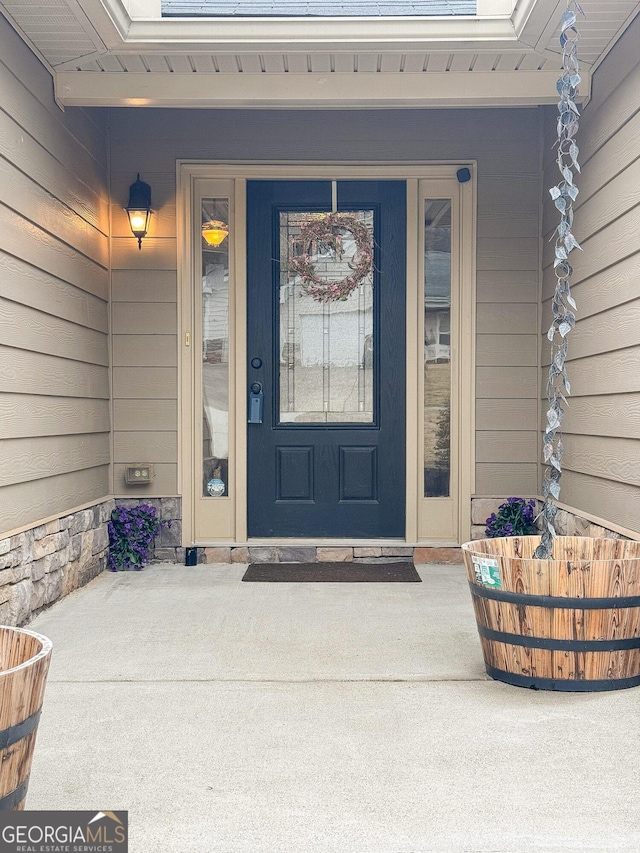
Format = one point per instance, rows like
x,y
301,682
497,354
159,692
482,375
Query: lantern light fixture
x,y
214,232
139,209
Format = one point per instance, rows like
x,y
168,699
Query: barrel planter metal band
x,y
567,685
559,645
14,798
15,733
555,600
571,623
24,664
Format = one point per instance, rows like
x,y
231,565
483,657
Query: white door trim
x,y
188,174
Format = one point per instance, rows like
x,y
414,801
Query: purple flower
x,y
131,532
515,517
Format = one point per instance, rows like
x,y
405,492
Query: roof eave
x,y
310,91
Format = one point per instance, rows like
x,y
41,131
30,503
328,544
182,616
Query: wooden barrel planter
x,y
569,623
24,663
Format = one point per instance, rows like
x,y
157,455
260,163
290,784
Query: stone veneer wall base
x,y
567,523
45,563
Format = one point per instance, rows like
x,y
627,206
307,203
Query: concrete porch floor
x,y
233,717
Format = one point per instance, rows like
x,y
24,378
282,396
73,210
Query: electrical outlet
x,y
138,474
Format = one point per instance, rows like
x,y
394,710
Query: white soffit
x,y
123,53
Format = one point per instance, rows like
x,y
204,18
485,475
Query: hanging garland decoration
x,y
330,230
564,319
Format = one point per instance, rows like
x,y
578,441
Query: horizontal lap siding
x,y
507,318
602,423
144,346
506,145
54,257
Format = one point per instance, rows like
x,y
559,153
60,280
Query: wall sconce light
x,y
214,232
139,209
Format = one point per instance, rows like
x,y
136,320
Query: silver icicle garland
x,y
564,320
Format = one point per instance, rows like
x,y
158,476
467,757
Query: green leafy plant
x,y
131,535
514,518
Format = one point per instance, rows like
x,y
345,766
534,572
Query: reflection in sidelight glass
x,y
437,347
326,348
215,347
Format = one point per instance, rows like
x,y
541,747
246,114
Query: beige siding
x,y
54,356
144,344
602,424
144,347
505,144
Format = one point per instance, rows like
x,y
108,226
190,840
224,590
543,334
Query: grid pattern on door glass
x,y
325,349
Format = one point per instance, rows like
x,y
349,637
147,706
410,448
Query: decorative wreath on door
x,y
330,230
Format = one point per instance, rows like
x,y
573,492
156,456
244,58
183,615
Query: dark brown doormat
x,y
333,573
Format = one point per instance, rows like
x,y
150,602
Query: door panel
x,y
328,458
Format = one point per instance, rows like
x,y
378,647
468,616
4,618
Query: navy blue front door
x,y
326,378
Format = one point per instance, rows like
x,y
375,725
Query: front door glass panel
x,y
437,347
326,346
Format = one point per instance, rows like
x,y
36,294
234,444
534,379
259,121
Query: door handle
x,y
256,403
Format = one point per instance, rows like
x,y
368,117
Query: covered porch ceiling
x,y
125,53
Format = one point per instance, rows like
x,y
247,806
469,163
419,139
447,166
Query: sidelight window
x,y
437,347
215,347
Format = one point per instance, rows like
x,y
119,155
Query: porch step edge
x,y
326,553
